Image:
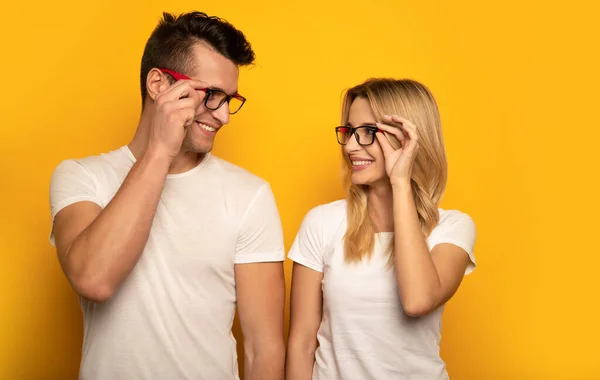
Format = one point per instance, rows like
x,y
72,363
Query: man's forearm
x,y
265,364
102,256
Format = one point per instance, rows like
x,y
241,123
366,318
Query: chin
x,y
204,148
198,146
359,179
366,180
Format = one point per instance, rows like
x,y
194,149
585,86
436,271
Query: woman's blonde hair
x,y
413,101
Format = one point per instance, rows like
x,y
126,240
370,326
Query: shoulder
x,y
315,239
454,217
456,227
325,219
327,213
90,165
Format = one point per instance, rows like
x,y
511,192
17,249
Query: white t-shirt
x,y
172,316
364,333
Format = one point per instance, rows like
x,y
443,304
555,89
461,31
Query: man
x,y
161,239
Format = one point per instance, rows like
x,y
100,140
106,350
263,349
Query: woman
x,y
372,272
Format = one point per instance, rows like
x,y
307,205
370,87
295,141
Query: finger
x,y
193,100
411,148
183,103
397,119
195,90
189,115
194,83
385,144
394,120
413,138
411,143
184,88
405,124
197,94
182,110
197,84
392,130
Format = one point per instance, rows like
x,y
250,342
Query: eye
x,y
211,94
343,129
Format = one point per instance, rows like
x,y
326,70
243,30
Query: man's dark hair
x,y
170,44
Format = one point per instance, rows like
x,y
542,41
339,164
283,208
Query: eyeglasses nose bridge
x,y
349,144
356,136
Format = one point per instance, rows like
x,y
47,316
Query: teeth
x,y
210,129
361,163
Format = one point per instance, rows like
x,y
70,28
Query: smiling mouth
x,y
360,165
206,127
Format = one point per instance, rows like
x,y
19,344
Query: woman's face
x,y
366,159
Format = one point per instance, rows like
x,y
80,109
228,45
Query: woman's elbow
x,y
302,343
418,307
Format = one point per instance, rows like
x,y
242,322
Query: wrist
x,y
156,157
401,185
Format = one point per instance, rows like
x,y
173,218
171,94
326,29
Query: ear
x,y
156,82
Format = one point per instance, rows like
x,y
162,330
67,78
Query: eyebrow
x,y
220,89
349,124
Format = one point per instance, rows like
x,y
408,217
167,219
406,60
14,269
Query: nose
x,y
352,146
222,113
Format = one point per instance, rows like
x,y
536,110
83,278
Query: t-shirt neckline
x,y
125,149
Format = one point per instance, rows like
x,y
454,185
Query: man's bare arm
x,y
261,301
97,248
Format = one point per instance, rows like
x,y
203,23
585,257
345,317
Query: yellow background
x,y
517,85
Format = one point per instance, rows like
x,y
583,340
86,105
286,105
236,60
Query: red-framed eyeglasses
x,y
214,98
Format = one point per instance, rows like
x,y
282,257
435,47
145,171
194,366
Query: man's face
x,y
220,74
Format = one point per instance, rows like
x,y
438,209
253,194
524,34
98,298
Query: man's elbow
x,y
85,278
272,351
94,290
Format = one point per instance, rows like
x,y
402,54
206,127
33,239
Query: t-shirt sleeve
x,y
308,248
458,229
261,235
70,183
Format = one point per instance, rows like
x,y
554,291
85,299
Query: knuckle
x,y
167,107
172,118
